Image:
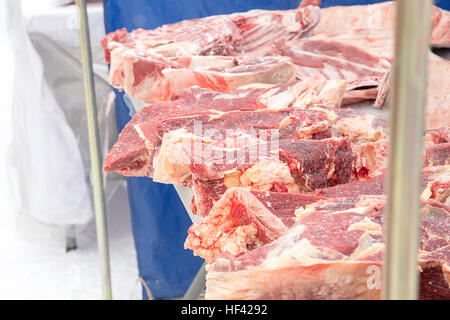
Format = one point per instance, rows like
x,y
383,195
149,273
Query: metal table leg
x,y
94,146
71,238
199,282
197,285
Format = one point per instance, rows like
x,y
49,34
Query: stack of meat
x,y
249,112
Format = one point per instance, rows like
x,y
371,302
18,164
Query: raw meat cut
x,y
369,78
291,166
212,169
314,163
178,138
130,156
220,35
326,57
381,16
366,161
289,172
370,159
360,95
152,64
243,220
246,110
437,107
437,155
296,94
362,58
435,183
258,29
152,80
438,135
333,251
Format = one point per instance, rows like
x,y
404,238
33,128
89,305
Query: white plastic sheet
x,y
45,166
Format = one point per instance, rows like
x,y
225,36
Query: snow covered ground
x,y
33,260
35,265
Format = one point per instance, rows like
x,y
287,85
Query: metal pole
x,y
400,274
197,285
94,146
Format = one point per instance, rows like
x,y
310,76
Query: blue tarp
x,y
159,219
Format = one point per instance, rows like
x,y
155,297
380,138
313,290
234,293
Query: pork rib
x,y
362,58
152,64
219,35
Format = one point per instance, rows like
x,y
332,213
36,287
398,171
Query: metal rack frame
x,y
404,170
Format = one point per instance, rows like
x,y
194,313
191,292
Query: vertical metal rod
x,y
94,146
197,285
400,274
71,238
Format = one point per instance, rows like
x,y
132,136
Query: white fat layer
x,y
367,247
331,115
273,100
174,49
230,96
171,164
368,226
365,205
302,212
364,243
264,173
288,248
256,85
332,93
360,129
440,177
202,62
142,136
306,130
